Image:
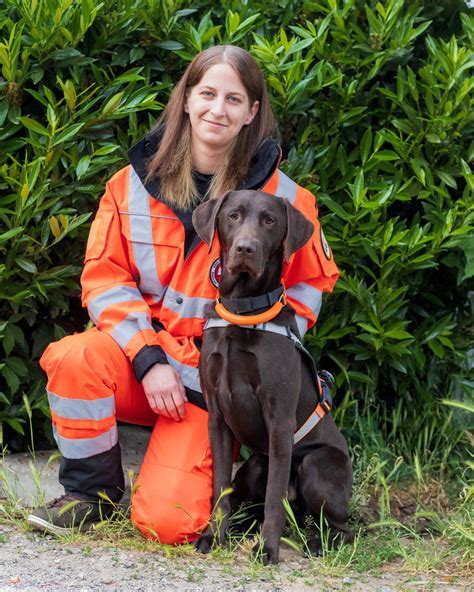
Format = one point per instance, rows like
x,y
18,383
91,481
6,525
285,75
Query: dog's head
x,y
253,227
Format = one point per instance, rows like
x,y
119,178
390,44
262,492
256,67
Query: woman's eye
x,y
207,93
234,215
235,100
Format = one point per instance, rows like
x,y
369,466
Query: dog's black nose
x,y
246,247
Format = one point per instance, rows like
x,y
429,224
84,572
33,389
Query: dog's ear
x,y
205,218
298,230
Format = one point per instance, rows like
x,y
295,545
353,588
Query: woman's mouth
x,y
214,123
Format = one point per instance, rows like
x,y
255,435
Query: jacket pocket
x,y
98,234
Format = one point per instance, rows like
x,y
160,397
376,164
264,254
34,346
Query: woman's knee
x,y
88,358
172,506
172,500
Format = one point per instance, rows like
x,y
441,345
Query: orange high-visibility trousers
x,y
91,384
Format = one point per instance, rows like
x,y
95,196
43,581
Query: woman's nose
x,y
218,106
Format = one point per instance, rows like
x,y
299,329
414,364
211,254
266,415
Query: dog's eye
x,y
269,220
234,215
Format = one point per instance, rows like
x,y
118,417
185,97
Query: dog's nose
x,y
246,247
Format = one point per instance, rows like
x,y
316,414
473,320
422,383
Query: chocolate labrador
x,y
258,385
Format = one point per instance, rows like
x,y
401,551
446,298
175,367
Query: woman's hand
x,y
165,391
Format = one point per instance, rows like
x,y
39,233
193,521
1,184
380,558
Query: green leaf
x,y
105,150
300,45
395,334
8,341
15,424
83,166
359,190
448,179
170,45
68,133
360,377
418,170
3,110
11,378
369,328
26,264
366,145
136,53
464,405
9,234
17,365
34,125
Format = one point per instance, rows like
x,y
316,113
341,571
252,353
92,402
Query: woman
x,y
146,282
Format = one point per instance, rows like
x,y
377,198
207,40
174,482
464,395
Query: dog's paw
x,y
315,547
267,554
203,544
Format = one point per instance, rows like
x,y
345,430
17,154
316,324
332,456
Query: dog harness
x,y
324,379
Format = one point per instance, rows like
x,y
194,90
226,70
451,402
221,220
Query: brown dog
x,y
256,385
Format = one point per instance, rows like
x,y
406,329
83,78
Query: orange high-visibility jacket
x,y
140,288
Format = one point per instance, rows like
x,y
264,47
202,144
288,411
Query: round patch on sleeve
x,y
325,245
216,273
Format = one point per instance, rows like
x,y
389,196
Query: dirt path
x,y
30,561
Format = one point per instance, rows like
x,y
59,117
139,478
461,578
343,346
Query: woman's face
x,y
218,108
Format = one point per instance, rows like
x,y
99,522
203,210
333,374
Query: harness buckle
x,y
326,381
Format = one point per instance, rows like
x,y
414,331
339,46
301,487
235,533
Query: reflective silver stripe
x,y
302,323
141,234
85,447
82,408
309,424
305,294
115,295
286,187
186,307
189,374
130,326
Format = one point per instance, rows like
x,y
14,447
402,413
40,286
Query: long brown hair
x,y
172,162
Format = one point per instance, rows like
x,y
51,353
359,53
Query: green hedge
x,y
375,106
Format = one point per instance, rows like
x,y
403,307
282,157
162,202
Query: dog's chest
x,y
247,375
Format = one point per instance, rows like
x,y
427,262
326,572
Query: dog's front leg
x,y
279,464
221,440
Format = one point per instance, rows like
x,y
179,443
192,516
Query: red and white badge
x,y
325,245
216,273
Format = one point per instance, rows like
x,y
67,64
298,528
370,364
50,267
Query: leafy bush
x,y
374,101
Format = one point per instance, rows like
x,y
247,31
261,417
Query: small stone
x,y
384,589
347,581
15,580
107,580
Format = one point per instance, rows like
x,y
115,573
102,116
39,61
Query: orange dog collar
x,y
263,317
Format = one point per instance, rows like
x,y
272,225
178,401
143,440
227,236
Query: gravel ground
x,y
31,561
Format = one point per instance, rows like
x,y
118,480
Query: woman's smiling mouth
x,y
215,123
